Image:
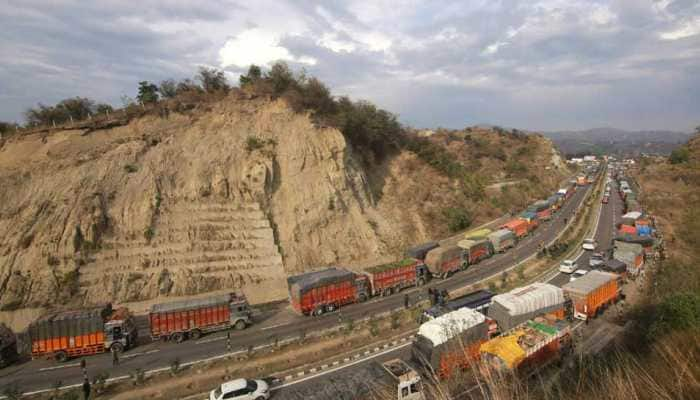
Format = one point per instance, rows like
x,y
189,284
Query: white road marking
x,y
60,367
209,340
274,326
141,353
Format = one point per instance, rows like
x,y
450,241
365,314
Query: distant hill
x,y
617,141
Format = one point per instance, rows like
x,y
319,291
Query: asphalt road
x,y
279,323
349,381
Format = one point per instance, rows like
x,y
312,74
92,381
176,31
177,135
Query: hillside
x,y
234,195
617,141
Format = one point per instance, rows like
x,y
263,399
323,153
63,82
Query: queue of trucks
x,y
318,292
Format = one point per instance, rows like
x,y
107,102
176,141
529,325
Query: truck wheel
x,y
195,334
61,356
362,298
239,325
330,307
318,311
177,337
386,292
117,347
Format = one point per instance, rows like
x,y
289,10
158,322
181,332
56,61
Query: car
x,y
605,199
568,266
596,260
589,244
577,274
241,389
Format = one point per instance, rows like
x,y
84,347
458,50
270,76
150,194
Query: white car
x,y
596,260
577,274
241,389
589,244
567,266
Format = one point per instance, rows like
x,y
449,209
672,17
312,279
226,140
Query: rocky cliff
x,y
234,196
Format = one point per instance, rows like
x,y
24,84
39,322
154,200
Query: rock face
x,y
237,196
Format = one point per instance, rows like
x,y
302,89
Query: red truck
x,y
79,333
444,261
179,320
475,250
315,293
593,292
518,226
386,279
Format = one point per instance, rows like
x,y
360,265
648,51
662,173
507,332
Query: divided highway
x,y
351,379
280,323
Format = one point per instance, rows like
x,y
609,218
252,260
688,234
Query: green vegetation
x,y
252,143
148,234
212,80
148,92
679,155
457,218
75,108
130,168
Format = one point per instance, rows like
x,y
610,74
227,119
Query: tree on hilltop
x,y
212,80
148,92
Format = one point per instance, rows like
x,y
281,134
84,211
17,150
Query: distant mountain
x,y
617,141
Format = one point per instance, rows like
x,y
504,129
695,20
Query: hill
x,y
235,194
617,141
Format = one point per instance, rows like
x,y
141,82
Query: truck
x,y
406,383
501,240
478,300
386,279
554,202
419,252
474,251
67,334
592,293
531,219
527,347
524,303
317,292
477,234
444,261
518,226
632,254
451,341
8,346
542,209
180,320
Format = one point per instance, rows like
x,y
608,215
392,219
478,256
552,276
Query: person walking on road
x,y
115,357
405,301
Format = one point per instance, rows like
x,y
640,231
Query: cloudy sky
x,y
546,65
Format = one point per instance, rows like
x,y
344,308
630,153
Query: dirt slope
x,y
236,196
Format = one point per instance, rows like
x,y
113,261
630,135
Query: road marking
x,y
274,326
60,367
375,355
141,354
209,340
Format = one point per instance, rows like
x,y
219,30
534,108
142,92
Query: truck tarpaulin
x,y
502,240
443,261
419,252
627,230
387,278
477,234
475,250
451,341
312,290
8,346
591,292
524,303
518,226
632,254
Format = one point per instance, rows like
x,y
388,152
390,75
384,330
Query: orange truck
x,y
518,226
592,293
68,334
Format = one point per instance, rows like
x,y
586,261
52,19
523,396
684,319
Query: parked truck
x,y
478,300
518,226
531,219
592,293
532,345
501,240
474,251
324,291
8,346
444,261
451,341
67,334
524,303
477,234
180,320
386,279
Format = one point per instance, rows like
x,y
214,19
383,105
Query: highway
x,y
276,322
339,384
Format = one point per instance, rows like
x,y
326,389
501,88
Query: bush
x,y
174,367
148,92
679,155
252,143
676,312
138,376
457,218
212,80
148,234
130,168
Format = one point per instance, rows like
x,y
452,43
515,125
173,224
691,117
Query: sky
x,y
534,64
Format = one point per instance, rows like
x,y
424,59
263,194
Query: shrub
x,y
99,382
174,366
212,80
148,234
138,376
130,168
676,312
373,327
457,218
679,155
252,143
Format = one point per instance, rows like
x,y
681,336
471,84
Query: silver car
x,y
241,389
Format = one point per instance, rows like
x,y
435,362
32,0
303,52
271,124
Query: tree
x,y
281,77
254,74
77,107
168,88
679,155
212,80
7,127
103,108
187,85
316,96
148,92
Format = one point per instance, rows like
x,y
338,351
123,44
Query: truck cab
x,y
241,314
120,331
362,287
409,385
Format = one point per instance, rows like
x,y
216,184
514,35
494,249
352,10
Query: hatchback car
x,y
577,274
241,389
589,244
596,260
567,266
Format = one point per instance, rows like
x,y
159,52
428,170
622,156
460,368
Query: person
x,y
431,294
115,357
86,389
405,301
